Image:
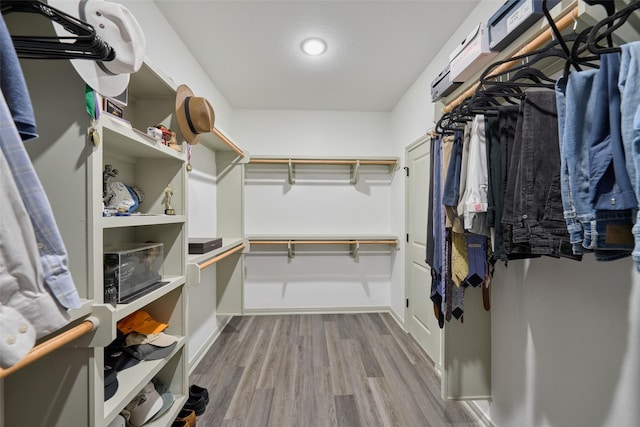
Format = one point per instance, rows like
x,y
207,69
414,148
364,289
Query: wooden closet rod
x,y
532,46
324,161
223,255
227,141
52,344
324,242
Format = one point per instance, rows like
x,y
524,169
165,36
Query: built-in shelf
x,y
230,245
353,241
140,220
353,163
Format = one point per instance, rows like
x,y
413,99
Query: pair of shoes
x,y
198,399
186,418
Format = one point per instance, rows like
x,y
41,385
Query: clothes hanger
x,y
613,22
83,42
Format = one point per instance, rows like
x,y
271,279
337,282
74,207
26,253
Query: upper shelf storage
x,y
353,163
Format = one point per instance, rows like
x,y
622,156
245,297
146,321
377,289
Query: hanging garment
x,y
458,217
475,195
629,87
14,87
451,194
610,190
27,309
53,254
437,281
537,219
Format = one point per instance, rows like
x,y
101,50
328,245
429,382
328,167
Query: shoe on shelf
x,y
196,404
197,391
188,416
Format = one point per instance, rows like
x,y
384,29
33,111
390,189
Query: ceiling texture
x,y
376,49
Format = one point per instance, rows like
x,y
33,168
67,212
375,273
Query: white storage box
x,y
471,55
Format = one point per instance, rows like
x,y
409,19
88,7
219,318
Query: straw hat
x,y
194,114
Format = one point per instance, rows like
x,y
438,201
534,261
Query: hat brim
x,y
181,94
102,82
167,401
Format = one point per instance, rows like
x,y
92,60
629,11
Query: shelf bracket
x,y
355,248
292,173
354,172
291,249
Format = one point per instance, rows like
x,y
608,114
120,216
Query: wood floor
x,y
321,370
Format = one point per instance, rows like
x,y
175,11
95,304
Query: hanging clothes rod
x,y
564,22
223,255
323,242
227,141
52,344
324,161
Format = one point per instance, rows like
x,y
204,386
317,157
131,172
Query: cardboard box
x,y
132,270
513,19
471,55
202,245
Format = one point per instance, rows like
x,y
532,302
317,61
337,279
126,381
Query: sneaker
x,y
196,392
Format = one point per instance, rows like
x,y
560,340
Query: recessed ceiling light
x,y
314,46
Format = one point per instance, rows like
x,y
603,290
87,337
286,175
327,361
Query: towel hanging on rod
x,y
82,42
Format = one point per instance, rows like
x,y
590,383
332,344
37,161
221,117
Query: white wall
x,y
322,201
565,334
182,68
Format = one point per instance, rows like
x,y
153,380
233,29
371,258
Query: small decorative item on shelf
x,y
154,133
118,198
167,136
168,192
200,245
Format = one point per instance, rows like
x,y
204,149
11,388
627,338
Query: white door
x,y
421,321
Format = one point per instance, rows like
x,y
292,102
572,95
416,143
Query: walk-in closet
x,y
319,213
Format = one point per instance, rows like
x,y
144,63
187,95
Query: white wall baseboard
x,y
477,413
315,310
397,318
193,363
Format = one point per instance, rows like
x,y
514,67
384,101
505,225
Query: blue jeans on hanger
x,y
629,86
581,113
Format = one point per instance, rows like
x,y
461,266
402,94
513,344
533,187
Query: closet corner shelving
x,y
151,166
77,205
229,289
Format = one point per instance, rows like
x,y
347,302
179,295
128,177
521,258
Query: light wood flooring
x,y
318,370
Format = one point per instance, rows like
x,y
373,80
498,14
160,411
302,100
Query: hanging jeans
x,y
536,215
580,112
610,188
629,86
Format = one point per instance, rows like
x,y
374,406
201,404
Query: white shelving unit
x,y
70,166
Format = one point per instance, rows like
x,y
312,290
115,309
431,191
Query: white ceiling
x,y
376,49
